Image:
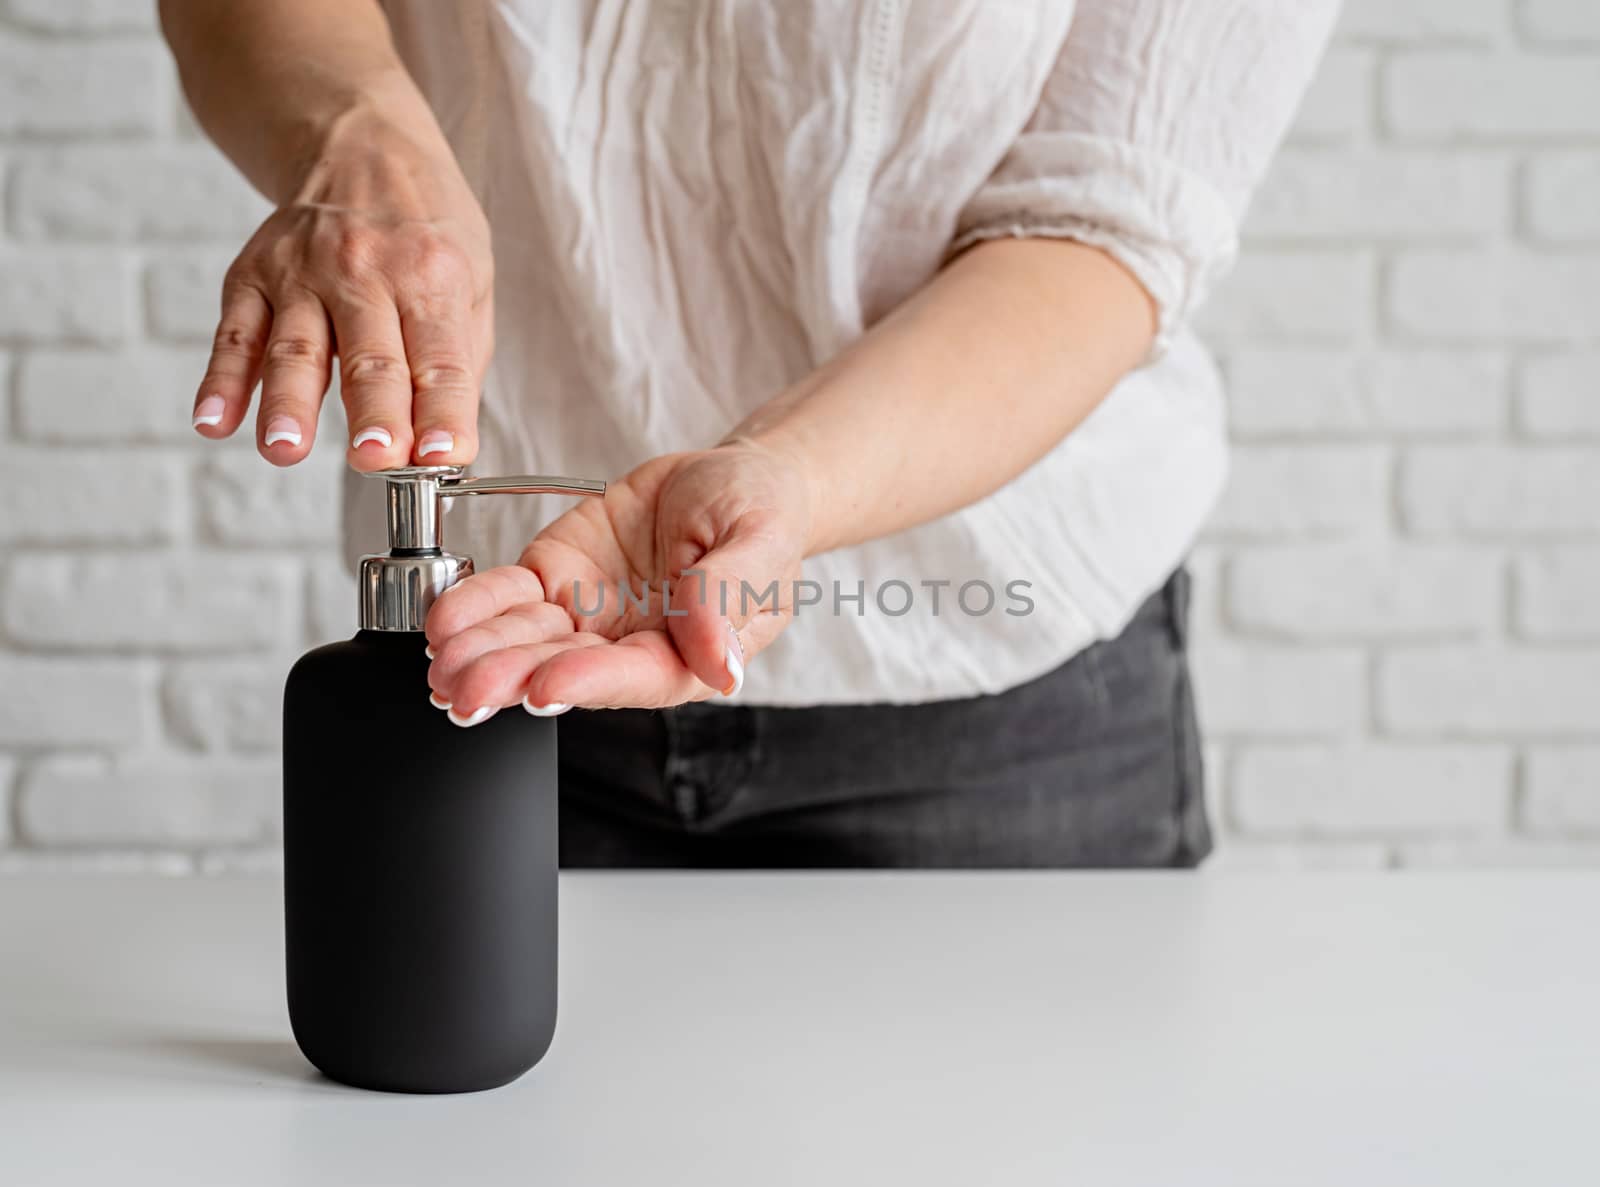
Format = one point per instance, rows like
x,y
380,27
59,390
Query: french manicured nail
x,y
553,709
478,717
380,435
435,442
209,411
733,660
282,428
437,701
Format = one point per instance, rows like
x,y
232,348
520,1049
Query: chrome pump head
x,y
398,586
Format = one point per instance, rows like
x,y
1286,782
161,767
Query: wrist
x,y
802,478
375,148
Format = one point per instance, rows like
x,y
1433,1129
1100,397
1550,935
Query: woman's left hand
x,y
555,629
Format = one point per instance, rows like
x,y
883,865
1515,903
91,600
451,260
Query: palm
x,y
582,618
587,557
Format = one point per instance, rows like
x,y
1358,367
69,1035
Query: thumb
x,y
726,607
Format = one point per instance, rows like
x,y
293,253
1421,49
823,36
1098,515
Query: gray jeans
x,y
1094,764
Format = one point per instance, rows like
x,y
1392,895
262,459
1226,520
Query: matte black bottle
x,y
419,857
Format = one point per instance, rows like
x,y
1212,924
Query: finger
x,y
574,569
719,595
480,597
500,678
235,362
531,622
444,387
642,670
294,376
375,384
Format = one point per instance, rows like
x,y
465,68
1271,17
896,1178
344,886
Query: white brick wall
x,y
1372,790
1561,21
1398,609
1490,96
1399,660
75,89
1561,196
1518,294
1559,396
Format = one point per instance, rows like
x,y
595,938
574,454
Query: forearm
x,y
275,84
961,389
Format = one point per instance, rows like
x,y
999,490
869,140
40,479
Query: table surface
x,y
1106,1029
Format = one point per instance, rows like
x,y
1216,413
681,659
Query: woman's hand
x,y
722,532
382,258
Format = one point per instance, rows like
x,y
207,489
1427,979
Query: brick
x,y
88,498
1306,296
1561,790
150,601
331,593
1330,393
1506,854
1490,692
1561,196
1303,490
1364,591
1266,691
80,16
109,396
60,294
242,861
183,294
121,192
1214,766
154,801
1558,594
60,701
1372,790
68,89
166,865
1337,107
1462,95
1564,22
1205,565
1492,492
1490,296
8,772
1381,194
227,705
245,500
1245,856
1426,21
1558,395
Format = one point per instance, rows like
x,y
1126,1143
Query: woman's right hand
x,y
381,259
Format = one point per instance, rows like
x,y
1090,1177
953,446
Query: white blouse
x,y
696,202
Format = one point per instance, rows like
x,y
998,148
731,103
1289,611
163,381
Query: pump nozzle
x,y
397,587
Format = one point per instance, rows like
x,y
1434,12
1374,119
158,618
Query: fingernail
x,y
282,428
733,660
209,411
478,716
553,709
437,701
380,435
435,442
428,651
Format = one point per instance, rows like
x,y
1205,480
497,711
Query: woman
x,y
866,298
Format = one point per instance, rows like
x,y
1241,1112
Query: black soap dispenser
x,y
419,857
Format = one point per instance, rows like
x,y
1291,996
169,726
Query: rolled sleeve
x,y
1152,131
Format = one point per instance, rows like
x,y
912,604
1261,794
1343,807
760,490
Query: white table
x,y
1104,1030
